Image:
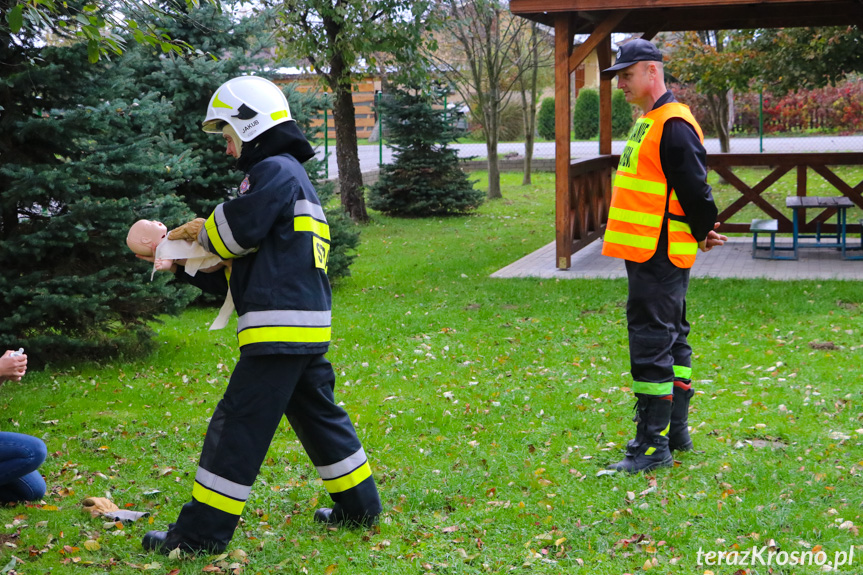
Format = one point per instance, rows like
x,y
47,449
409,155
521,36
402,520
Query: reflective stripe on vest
x,y
638,203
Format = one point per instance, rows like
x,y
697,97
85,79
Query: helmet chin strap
x,y
229,130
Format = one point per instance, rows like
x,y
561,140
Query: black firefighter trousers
x,y
262,389
659,352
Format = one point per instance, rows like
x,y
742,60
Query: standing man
x,y
662,212
277,238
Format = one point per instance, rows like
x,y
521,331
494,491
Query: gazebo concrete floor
x,y
733,260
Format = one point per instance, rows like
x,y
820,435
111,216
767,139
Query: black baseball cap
x,y
635,51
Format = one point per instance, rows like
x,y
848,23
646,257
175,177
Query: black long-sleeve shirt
x,y
684,163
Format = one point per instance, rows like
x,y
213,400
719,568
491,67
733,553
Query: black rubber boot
x,y
336,517
649,449
678,434
154,541
166,541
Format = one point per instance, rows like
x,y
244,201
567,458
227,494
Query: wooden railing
x,y
590,194
781,164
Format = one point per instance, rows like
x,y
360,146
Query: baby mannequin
x,y
147,239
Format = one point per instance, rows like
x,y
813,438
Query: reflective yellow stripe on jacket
x,y
297,326
218,233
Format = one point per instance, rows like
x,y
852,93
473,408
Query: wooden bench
x,y
759,226
856,257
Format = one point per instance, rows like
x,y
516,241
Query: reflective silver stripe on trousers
x,y
225,233
272,318
342,467
307,208
222,485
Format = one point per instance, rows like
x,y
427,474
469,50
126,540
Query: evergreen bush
x,y
81,167
621,114
425,178
585,117
545,119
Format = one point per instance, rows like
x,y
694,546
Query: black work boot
x,y
336,517
166,541
154,541
678,434
649,449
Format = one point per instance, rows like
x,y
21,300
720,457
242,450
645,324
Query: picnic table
x,y
839,240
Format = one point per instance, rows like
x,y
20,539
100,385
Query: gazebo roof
x,y
676,15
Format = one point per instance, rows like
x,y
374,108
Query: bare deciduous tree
x,y
477,49
533,59
342,40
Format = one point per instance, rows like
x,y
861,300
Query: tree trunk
x,y
530,124
493,169
528,141
719,116
347,156
492,115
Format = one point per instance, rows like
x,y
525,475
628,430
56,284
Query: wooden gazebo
x,y
583,188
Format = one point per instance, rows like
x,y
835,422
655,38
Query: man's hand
x,y
188,231
12,367
712,240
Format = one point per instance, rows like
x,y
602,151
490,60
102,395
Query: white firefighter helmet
x,y
251,105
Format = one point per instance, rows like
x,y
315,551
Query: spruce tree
x,y
585,117
79,166
545,119
425,178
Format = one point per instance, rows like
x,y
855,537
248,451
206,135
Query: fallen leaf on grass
x,y
822,345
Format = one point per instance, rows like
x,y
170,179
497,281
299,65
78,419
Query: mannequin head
x,y
145,235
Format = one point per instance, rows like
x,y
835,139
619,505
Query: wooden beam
x,y
734,17
562,133
651,32
650,15
602,31
603,55
529,6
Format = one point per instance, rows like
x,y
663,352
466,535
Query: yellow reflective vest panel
x,y
640,196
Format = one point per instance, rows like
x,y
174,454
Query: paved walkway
x,y
733,260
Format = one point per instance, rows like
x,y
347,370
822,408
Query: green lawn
x,y
487,407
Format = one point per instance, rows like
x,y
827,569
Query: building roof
x,y
675,15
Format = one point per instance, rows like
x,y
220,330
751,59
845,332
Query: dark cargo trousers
x,y
261,391
659,352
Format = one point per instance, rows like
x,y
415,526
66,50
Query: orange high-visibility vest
x,y
639,196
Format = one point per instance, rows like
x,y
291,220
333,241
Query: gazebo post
x,y
562,132
603,56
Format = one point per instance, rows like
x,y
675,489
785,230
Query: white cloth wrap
x,y
196,258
